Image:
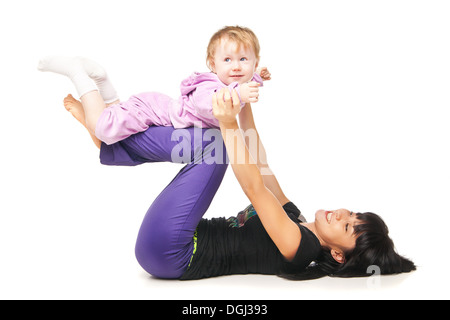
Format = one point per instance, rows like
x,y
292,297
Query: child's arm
x,y
249,92
200,87
201,95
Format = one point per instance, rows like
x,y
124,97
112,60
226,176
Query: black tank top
x,y
241,245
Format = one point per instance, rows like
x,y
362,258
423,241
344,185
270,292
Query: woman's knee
x,y
159,262
160,254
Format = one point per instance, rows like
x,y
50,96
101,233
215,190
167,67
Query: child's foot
x,y
97,73
93,69
75,108
72,68
66,66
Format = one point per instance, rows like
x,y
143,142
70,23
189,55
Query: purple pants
x,y
165,241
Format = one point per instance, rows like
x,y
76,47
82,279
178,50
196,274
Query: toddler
x,y
232,56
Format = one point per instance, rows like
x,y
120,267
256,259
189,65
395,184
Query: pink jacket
x,y
195,103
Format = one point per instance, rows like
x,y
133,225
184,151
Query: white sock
x,y
99,75
72,68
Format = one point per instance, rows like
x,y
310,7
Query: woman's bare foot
x,y
75,108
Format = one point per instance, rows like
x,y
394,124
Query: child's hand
x,y
264,73
249,92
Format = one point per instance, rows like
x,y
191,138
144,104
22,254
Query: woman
x,y
268,237
350,242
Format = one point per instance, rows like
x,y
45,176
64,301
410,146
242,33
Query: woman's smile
x,y
329,216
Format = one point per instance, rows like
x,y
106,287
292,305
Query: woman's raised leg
x,y
165,241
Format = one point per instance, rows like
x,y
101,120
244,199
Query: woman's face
x,y
335,230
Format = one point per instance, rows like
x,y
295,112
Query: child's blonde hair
x,y
240,35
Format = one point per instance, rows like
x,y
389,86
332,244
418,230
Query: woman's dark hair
x,y
373,247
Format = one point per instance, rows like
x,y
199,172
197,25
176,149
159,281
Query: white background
x,y
356,116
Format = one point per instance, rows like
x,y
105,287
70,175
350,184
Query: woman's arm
x,y
281,229
258,152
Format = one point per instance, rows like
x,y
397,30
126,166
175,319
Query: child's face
x,y
233,63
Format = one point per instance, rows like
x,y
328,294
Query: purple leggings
x,y
165,241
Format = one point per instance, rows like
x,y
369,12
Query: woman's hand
x,y
226,106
